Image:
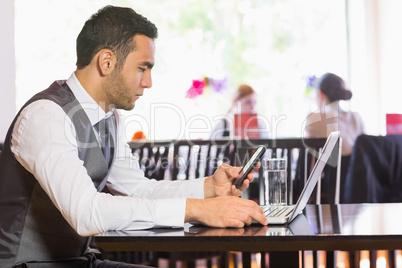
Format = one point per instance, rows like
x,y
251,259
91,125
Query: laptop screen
x,y
316,173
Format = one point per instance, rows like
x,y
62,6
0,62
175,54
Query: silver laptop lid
x,y
316,173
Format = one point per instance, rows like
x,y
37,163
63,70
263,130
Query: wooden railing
x,y
189,159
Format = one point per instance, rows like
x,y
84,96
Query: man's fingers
x,y
251,210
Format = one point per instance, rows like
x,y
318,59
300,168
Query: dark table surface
x,y
320,227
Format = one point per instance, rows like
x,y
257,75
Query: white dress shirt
x,y
43,141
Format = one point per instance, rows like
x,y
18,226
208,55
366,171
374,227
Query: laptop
x,y
285,214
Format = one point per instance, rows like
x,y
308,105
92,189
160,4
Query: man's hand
x,y
224,211
220,184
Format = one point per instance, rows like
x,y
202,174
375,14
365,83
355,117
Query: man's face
x,y
124,86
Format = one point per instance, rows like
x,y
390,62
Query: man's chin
x,y
130,107
126,107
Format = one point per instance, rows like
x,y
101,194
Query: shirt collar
x,y
94,112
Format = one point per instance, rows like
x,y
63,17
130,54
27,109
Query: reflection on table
x,y
346,227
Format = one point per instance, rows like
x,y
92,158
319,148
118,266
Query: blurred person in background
x,y
331,117
244,103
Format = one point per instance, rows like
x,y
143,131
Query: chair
x,y
137,257
375,170
301,155
153,157
375,175
200,158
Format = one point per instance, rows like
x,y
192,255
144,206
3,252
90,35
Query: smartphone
x,y
249,166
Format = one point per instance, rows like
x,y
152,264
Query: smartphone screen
x,y
249,166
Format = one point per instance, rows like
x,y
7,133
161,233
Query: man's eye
x,y
142,69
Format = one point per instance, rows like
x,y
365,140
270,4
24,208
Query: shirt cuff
x,y
170,212
194,188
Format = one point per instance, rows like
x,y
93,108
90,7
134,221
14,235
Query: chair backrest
x,y
375,170
200,158
154,157
301,154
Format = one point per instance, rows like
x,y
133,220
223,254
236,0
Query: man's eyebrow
x,y
147,64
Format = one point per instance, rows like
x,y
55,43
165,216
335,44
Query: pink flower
x,y
196,89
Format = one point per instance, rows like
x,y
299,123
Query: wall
x,y
7,66
375,58
375,54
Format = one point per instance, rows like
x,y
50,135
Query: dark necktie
x,y
103,127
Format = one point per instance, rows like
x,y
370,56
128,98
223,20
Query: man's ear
x,y
106,61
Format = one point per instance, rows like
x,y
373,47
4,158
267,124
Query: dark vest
x,y
31,227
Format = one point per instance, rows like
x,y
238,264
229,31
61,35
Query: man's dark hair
x,y
112,28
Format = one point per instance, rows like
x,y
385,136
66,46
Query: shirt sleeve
x,y
127,179
43,141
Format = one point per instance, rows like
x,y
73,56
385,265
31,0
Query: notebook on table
x,y
286,213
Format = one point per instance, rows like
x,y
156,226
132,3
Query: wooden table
x,y
321,227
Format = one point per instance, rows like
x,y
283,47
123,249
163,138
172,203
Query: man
x,y
67,143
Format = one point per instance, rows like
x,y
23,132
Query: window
x,y
271,45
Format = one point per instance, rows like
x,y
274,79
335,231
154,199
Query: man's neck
x,y
92,83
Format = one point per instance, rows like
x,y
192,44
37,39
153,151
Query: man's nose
x,y
146,81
